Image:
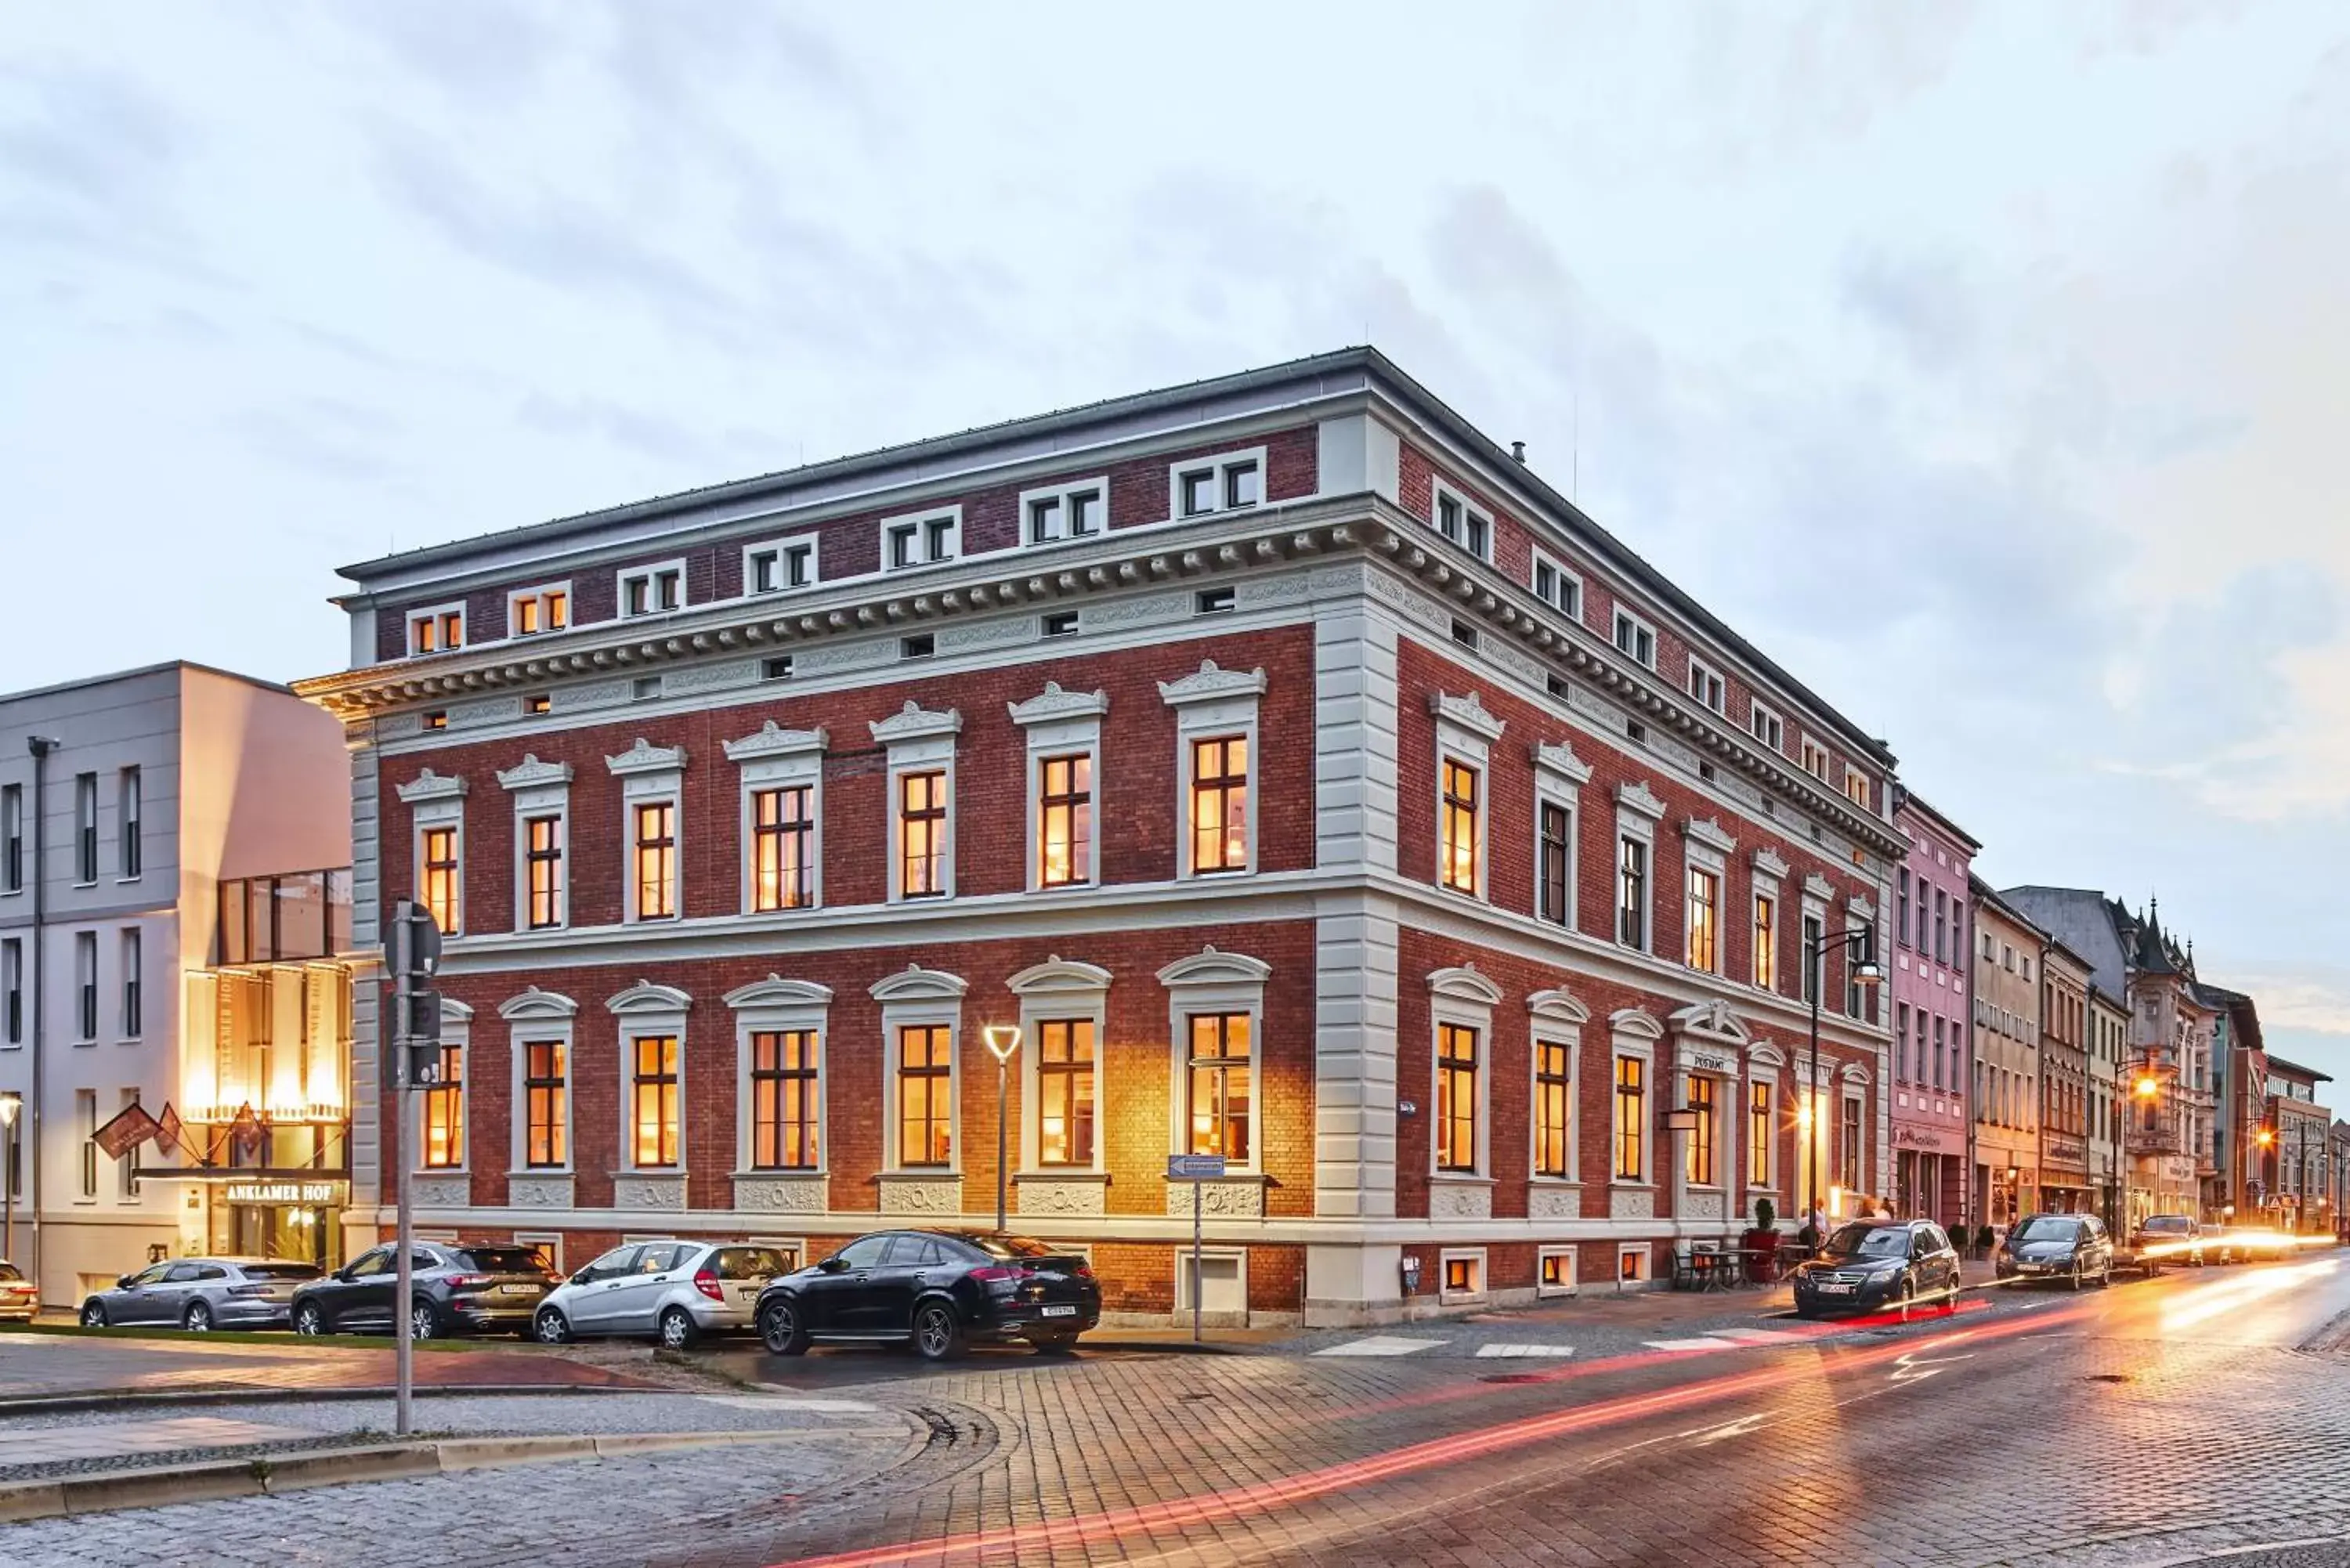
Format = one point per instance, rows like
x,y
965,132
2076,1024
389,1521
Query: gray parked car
x,y
201,1294
673,1290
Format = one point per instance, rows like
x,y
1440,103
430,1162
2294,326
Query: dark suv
x,y
458,1287
936,1289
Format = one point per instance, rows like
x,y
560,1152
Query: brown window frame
x,y
443,1132
935,1073
1220,793
1215,1070
1631,1127
929,821
547,1104
543,871
653,858
1459,1049
1065,814
1069,1054
440,875
1457,839
787,1092
783,846
658,1086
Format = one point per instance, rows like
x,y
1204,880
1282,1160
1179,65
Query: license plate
x,y
1060,1311
1833,1289
517,1290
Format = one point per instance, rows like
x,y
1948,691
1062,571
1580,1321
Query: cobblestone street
x,y
2158,1422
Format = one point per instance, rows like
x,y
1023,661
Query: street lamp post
x,y
11,1102
1860,943
1002,1042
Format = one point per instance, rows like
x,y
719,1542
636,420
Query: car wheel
x,y
93,1314
676,1329
936,1333
552,1328
423,1323
197,1319
310,1320
1059,1343
779,1329
2073,1284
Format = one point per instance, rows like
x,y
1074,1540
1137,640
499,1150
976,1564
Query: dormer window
x,y
1065,512
1221,484
436,630
1636,637
653,590
922,539
1462,524
534,611
773,568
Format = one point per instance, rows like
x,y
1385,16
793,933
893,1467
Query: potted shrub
x,y
1986,1242
1763,1239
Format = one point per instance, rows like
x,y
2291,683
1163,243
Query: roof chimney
x,y
1518,450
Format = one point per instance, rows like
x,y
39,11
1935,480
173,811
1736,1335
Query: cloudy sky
x,y
1985,363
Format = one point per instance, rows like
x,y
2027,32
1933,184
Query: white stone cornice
x,y
1860,907
644,757
1634,795
1768,864
1209,683
1052,703
915,983
1463,984
534,1003
1709,833
532,773
1466,712
916,723
646,997
1560,759
429,785
1818,886
772,740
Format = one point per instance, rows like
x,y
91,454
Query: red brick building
x,y
1307,780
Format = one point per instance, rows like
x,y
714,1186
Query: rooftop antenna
x,y
1574,463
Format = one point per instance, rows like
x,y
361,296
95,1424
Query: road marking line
x,y
1483,1350
780,1401
1692,1345
1380,1344
1765,1336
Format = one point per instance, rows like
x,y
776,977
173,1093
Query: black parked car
x,y
935,1288
2076,1248
1868,1265
465,1286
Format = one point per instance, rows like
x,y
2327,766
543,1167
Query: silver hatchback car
x,y
674,1291
201,1293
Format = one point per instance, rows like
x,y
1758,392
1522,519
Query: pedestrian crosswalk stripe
x,y
1526,1350
1379,1345
1692,1345
1765,1336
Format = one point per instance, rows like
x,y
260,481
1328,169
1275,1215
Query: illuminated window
x,y
536,611
922,834
1766,941
1553,1108
438,631
925,1094
653,1101
1456,1097
1631,1265
1217,1090
1459,1276
545,1092
1632,893
1459,869
1758,1129
1705,1137
784,1100
1065,820
444,1113
1631,1118
1219,805
656,856
1552,876
783,844
1065,1092
1704,918
439,881
543,866
1557,1270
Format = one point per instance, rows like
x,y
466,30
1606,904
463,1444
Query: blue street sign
x,y
1194,1167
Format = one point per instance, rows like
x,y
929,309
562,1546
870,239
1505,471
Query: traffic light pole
x,y
403,1355
414,1056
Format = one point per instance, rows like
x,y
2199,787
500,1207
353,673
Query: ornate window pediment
x,y
772,740
1710,834
1633,1021
915,983
1560,759
532,773
455,1012
1634,795
534,1003
1768,864
1052,703
1557,1006
644,757
916,723
429,785
646,997
1713,1019
1463,984
1210,967
1058,976
1469,713
1209,684
776,991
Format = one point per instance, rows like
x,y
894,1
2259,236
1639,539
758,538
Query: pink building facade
x,y
1932,935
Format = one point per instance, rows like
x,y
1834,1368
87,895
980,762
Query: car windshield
x,y
749,1264
1012,1246
11,1272
1870,1242
2172,1223
281,1271
503,1260
2047,1228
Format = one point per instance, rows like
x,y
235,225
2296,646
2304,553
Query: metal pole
x,y
1818,970
40,746
403,1343
8,1180
1003,1174
1199,1285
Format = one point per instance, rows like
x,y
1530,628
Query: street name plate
x,y
1194,1167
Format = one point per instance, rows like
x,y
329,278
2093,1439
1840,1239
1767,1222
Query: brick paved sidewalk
x,y
53,1366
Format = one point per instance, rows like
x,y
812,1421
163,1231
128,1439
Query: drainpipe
x,y
40,746
1968,1197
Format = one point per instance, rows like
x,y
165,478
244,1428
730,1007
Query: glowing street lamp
x,y
1859,946
11,1102
1002,1043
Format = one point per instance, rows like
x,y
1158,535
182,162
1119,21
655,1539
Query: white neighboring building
x,y
127,801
